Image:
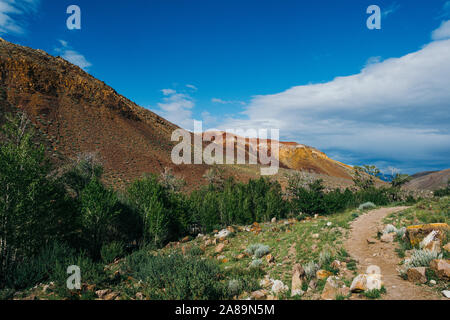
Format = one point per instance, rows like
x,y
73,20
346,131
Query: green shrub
x,y
175,277
367,206
112,251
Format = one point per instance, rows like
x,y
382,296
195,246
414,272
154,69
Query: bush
x,y
112,251
258,250
310,269
367,206
175,277
421,258
34,207
256,263
99,213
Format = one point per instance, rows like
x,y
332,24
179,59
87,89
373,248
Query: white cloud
x,y
397,110
191,86
72,56
443,32
177,108
13,14
390,10
221,101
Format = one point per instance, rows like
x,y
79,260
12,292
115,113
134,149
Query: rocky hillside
x,y
76,113
429,181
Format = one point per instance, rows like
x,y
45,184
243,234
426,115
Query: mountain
x,y
75,113
430,180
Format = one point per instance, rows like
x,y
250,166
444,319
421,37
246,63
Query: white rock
x,y
222,234
446,293
428,239
433,282
278,287
329,224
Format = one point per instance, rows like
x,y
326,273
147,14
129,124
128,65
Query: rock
x,y
312,284
371,241
219,248
231,229
329,224
441,268
111,296
185,239
102,293
359,283
240,256
279,287
330,290
336,264
415,234
314,247
266,283
446,293
433,282
222,234
274,220
270,258
139,296
323,274
447,247
417,275
333,288
388,237
434,245
298,274
258,295
221,257
297,293
315,236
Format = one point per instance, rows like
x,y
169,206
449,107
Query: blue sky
x,y
310,68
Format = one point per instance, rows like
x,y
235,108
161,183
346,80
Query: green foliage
x,y
99,213
237,203
176,277
444,191
112,251
364,177
374,293
158,209
367,205
34,209
400,179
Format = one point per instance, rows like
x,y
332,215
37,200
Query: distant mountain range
x,y
429,180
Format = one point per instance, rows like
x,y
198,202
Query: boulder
x,y
446,293
417,275
415,234
441,268
333,288
298,274
222,234
359,283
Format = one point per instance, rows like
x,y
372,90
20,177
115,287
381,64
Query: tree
x,y
399,180
364,177
34,208
99,211
152,201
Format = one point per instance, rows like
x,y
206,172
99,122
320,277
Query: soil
x,y
384,256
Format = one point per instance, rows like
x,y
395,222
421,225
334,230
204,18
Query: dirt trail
x,y
384,256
